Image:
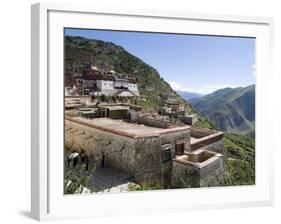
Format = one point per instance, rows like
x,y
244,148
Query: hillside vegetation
x,y
240,159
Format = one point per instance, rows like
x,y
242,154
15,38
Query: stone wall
x,y
173,138
82,99
148,119
151,121
198,132
212,174
185,176
148,161
207,139
118,151
217,146
189,119
141,157
150,167
118,114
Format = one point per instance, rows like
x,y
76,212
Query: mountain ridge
x,y
189,95
230,109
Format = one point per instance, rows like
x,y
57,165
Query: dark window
x,y
166,153
179,148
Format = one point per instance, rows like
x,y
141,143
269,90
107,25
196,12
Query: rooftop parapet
x,y
199,158
201,168
201,137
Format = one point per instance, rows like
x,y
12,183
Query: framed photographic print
x,y
138,111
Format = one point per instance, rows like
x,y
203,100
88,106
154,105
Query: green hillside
x,y
230,109
240,159
111,56
239,150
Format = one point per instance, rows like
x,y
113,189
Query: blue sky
x,y
191,63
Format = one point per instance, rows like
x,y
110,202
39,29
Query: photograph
x,y
157,111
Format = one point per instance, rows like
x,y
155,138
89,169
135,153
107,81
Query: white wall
x,y
107,85
133,87
15,119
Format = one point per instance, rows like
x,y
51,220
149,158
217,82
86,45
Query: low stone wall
x,y
149,120
217,146
184,176
206,174
189,119
213,174
207,139
118,114
154,122
197,132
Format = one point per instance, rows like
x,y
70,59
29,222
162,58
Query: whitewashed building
x,y
108,85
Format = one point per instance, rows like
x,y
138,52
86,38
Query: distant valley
x,y
189,95
230,109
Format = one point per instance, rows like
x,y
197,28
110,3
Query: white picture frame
x,y
47,201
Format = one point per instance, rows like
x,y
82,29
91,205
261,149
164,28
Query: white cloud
x,y
206,89
254,72
178,86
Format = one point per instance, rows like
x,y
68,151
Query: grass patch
x,y
239,159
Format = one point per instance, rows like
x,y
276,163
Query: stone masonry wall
x,y
200,132
148,161
172,138
150,168
118,151
185,176
217,146
191,176
141,157
212,174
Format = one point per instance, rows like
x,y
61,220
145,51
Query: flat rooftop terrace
x,y
124,128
